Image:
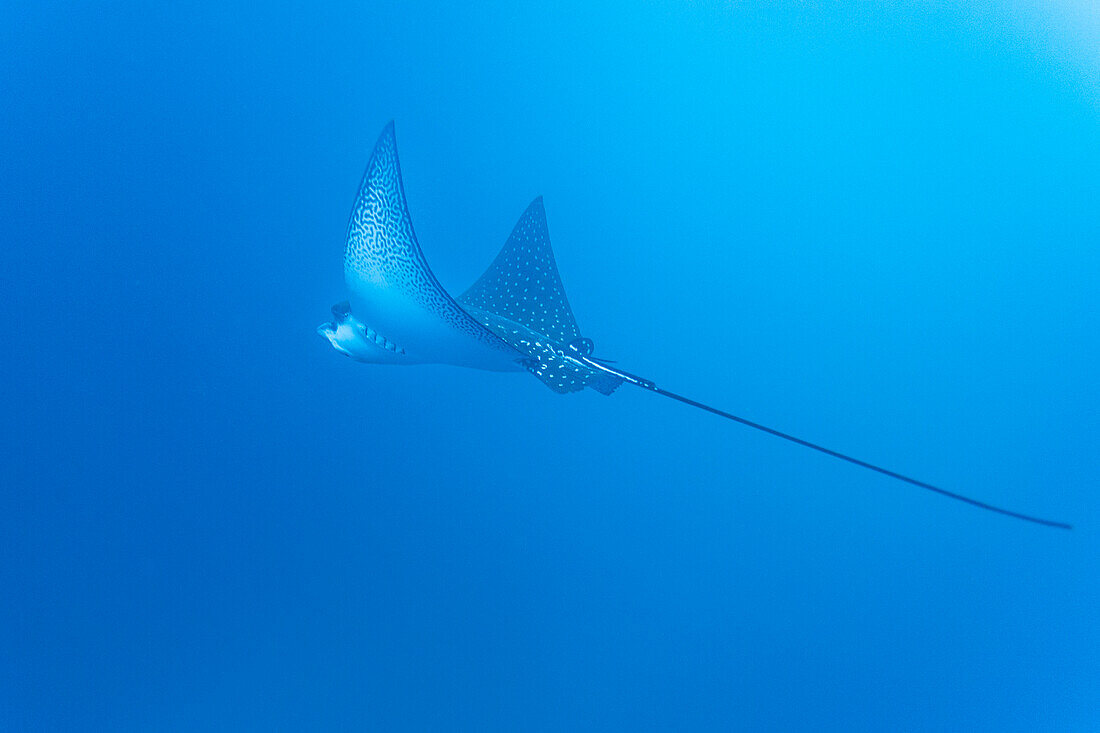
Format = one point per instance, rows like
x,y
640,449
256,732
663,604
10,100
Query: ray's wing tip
x,y
386,138
535,208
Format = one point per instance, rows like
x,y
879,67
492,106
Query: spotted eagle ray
x,y
514,318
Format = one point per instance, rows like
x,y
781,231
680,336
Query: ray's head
x,y
357,340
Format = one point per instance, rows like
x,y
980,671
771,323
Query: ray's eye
x,y
341,310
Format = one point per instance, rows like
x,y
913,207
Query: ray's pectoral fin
x,y
523,285
521,299
391,289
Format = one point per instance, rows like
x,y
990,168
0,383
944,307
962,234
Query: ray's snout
x,y
353,338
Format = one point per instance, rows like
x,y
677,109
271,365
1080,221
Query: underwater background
x,y
871,225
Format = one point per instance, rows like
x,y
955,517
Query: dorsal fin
x,y
523,284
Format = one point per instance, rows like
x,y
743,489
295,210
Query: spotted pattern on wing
x,y
546,358
381,248
523,285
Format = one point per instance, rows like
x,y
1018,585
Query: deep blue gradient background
x,y
874,227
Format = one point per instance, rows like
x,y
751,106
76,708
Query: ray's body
x,y
515,317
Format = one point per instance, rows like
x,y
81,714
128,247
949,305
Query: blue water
x,y
873,227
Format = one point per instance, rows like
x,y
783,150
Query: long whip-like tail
x,y
652,387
